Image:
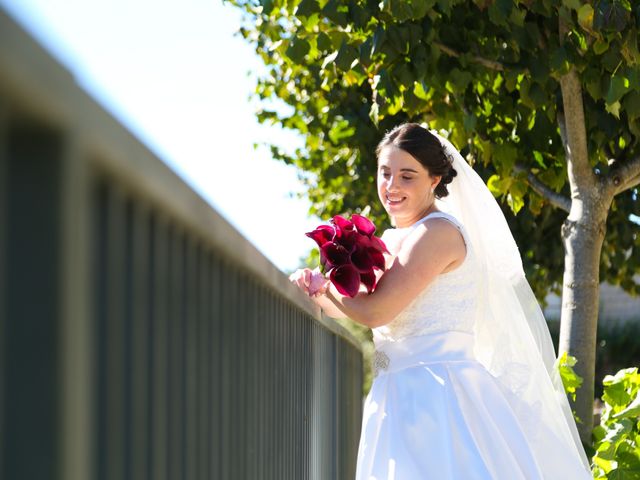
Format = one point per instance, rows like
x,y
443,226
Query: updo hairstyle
x,y
425,147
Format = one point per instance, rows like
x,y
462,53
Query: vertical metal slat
x,y
159,340
115,391
4,165
32,303
203,364
139,315
190,373
216,373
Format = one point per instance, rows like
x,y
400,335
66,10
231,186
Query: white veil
x,y
512,337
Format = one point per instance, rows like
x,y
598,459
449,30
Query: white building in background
x,y
616,305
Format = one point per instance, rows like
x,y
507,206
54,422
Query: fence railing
x,y
141,337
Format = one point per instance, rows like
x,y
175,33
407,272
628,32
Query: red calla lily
x,y
374,242
335,254
377,259
346,279
379,245
322,234
369,280
361,259
363,224
342,224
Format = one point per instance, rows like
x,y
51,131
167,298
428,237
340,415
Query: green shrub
x,y
616,441
617,438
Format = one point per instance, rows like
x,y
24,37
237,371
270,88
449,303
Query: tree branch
x,y
554,198
581,175
490,64
626,175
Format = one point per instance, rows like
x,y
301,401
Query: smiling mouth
x,y
395,200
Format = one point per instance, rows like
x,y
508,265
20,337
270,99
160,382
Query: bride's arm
x,y
425,253
328,307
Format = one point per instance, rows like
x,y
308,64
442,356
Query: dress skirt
x,y
434,412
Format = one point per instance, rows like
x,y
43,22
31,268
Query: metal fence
x,y
141,337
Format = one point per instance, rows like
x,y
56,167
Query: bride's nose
x,y
392,184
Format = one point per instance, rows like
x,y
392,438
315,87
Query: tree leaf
x,y
499,11
379,37
505,157
612,15
539,159
585,17
421,90
307,8
631,411
297,49
346,57
618,86
571,381
324,42
629,461
496,185
470,122
616,394
336,11
613,109
267,6
593,83
537,95
600,46
572,4
515,203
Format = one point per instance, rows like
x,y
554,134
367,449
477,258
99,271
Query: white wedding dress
x,y
434,411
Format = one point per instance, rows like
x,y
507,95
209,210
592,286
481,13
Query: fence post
x,y
76,333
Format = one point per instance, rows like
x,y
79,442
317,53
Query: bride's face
x,y
404,186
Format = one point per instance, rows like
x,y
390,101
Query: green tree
x,y
543,96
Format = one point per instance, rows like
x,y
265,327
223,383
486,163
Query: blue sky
x,y
176,75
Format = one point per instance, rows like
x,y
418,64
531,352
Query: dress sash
x,y
451,346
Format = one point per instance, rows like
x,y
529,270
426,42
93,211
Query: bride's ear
x,y
435,181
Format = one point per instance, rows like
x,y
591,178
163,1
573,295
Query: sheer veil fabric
x,y
512,337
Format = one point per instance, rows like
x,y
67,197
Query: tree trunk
x,y
583,234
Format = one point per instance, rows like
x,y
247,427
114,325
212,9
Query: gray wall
x,y
616,305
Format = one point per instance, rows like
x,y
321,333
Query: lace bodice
x,y
446,304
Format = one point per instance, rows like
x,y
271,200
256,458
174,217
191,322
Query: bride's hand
x,y
312,282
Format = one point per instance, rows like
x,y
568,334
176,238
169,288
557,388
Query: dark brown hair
x,y
425,147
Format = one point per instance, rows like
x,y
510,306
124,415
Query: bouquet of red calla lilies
x,y
350,253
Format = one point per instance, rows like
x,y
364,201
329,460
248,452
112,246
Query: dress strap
x,y
444,215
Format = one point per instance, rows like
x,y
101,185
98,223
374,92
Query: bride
x,y
465,386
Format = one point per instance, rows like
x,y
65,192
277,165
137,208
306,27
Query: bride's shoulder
x,y
438,233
